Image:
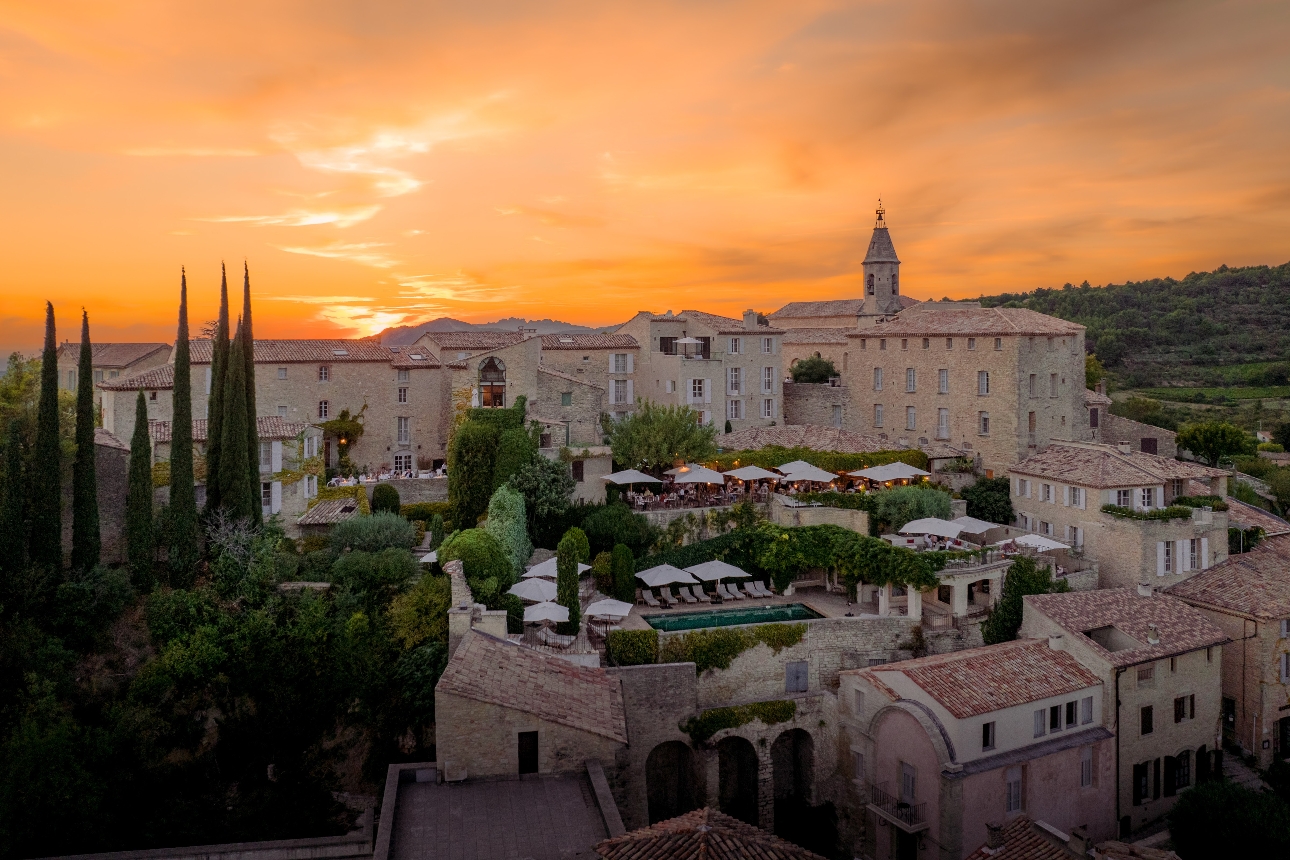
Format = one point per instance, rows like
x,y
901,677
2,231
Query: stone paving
x,y
531,818
1237,771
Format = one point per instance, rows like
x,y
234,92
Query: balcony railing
x,y
910,817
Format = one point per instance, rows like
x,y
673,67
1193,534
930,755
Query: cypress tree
x,y
566,584
183,500
139,540
252,436
47,481
13,530
235,495
215,409
85,502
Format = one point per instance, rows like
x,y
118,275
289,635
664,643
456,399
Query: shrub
x,y
1224,819
372,534
813,370
425,511
385,498
420,614
486,566
566,581
713,720
1024,577
546,486
506,523
990,499
899,505
608,526
717,647
632,647
374,573
1272,447
602,572
1173,512
515,450
623,565
437,531
580,542
830,461
471,456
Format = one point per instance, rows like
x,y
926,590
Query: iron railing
x,y
895,809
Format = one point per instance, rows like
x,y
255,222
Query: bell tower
x,y
881,270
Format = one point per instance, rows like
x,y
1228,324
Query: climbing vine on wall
x,y
713,720
717,647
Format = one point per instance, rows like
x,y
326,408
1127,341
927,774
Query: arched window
x,y
492,384
870,285
895,285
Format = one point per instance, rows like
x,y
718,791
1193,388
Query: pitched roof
x,y
589,341
329,511
487,669
160,378
473,339
105,439
322,351
409,357
827,308
112,354
266,427
1181,627
1023,839
921,319
727,325
1104,466
981,680
1244,515
881,250
816,335
811,436
1096,398
703,834
1254,583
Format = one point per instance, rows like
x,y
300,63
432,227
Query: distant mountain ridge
x,y
406,334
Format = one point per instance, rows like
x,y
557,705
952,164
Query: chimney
x,y
1056,642
1144,590
993,835
750,320
668,314
1153,634
1079,841
1100,388
1124,447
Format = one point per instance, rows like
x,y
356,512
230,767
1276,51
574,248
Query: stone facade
x,y
822,404
109,361
1142,437
607,362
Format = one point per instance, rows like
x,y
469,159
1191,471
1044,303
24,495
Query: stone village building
x,y
108,361
1248,598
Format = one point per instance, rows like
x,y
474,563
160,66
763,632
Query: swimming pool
x,y
728,617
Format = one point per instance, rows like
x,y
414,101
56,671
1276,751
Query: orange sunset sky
x,y
387,162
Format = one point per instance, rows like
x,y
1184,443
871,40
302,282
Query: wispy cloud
x,y
364,253
458,287
188,152
302,217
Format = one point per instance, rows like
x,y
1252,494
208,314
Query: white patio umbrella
x,y
699,475
973,526
534,590
1039,542
931,526
715,571
752,473
631,476
545,612
793,466
890,472
548,569
810,473
433,555
665,574
609,608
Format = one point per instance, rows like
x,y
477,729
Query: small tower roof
x,y
880,248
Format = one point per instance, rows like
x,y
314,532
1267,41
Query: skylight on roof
x,y
416,356
340,352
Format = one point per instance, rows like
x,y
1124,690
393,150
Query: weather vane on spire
x,y
881,212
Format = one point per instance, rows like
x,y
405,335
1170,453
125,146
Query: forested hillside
x,y
1226,327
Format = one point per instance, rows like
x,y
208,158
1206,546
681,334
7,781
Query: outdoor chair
x,y
668,598
730,591
760,589
647,594
750,591
686,595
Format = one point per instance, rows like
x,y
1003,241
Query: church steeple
x,y
881,269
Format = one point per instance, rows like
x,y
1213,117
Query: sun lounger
x,y
647,594
730,591
761,589
686,595
668,598
750,591
547,636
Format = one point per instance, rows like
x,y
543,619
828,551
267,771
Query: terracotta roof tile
x,y
1103,466
158,378
487,669
1243,515
811,436
1181,627
703,834
1095,398
1022,840
816,335
473,339
409,357
266,427
112,354
981,680
826,308
589,341
881,250
107,440
329,512
326,351
1254,583
921,320
727,325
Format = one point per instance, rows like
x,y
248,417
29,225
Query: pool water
x,y
728,617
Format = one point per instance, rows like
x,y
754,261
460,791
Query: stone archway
x,y
669,781
793,765
737,768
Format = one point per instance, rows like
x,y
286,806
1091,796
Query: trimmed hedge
x,y
717,647
632,647
831,461
385,497
1173,512
1215,502
713,720
425,511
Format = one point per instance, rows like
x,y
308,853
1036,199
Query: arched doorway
x,y
813,827
793,758
737,766
669,781
492,384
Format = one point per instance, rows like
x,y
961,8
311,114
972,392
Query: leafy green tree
x,y
1281,435
1224,819
1094,372
581,542
184,547
1215,441
486,566
990,499
546,486
13,525
139,540
236,492
899,505
472,454
382,530
602,572
1024,577
813,369
654,437
420,614
566,583
507,523
611,525
624,572
385,497
379,574
217,407
85,502
248,372
515,450
1279,484
46,534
